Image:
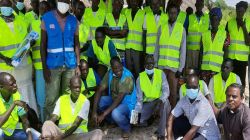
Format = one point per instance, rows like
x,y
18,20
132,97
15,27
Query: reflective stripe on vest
x,y
67,117
152,29
11,124
213,50
195,30
169,52
134,39
151,90
9,40
91,82
103,55
181,17
219,89
36,56
119,43
238,49
184,88
59,50
94,21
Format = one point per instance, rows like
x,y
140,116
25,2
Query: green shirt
x,y
126,86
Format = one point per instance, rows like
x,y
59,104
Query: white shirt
x,y
82,114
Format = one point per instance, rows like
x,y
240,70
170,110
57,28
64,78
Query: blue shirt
x,y
112,51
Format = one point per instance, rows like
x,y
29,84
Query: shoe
x,y
125,135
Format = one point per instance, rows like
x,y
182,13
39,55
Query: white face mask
x,y
63,7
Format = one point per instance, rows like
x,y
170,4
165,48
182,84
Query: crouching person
x,y
71,111
152,92
11,109
121,99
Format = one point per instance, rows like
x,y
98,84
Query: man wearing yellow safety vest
x,y
100,52
170,55
71,110
90,80
219,83
37,62
11,109
12,33
153,20
94,17
214,44
239,31
19,8
181,14
202,85
196,24
152,92
134,47
34,14
118,28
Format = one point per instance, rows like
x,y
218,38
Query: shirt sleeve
x,y
238,80
165,88
139,95
112,49
211,88
246,127
97,78
126,86
104,82
202,115
183,51
205,88
57,108
180,91
84,113
178,111
43,26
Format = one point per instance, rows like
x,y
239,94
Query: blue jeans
x,y
40,93
120,115
19,134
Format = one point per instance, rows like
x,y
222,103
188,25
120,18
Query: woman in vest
x,y
100,52
239,31
214,43
13,30
118,29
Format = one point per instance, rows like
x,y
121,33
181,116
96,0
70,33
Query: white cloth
x,y
157,18
82,114
11,26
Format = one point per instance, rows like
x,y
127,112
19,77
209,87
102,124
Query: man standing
x,y
235,117
170,53
59,51
121,99
34,14
219,83
239,31
13,30
11,109
152,92
71,110
197,24
198,112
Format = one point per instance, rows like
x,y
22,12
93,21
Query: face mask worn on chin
x,y
149,72
20,6
63,7
192,93
6,11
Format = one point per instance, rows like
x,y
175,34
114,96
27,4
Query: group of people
x,y
123,66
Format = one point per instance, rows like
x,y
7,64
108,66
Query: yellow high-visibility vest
x,y
9,41
91,82
103,55
67,117
152,29
119,42
238,49
151,90
12,122
213,50
195,30
219,89
181,17
184,88
134,39
35,25
170,44
30,17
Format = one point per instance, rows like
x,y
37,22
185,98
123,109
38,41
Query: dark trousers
x,y
134,61
173,83
240,68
